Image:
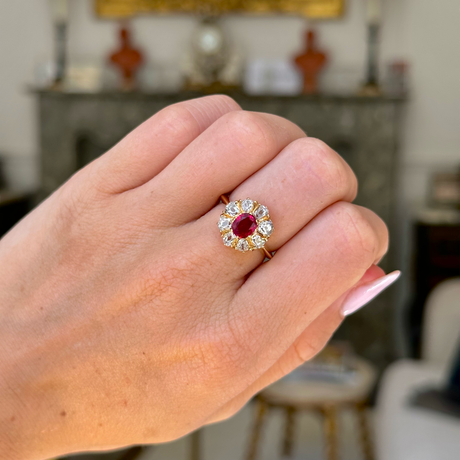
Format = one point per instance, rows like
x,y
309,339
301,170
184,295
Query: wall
x,y
424,32
25,39
429,39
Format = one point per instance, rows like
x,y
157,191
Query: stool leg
x,y
257,428
366,442
195,452
330,432
289,431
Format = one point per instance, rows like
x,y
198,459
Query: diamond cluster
x,y
245,225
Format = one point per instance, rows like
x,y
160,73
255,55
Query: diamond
x,y
228,239
266,228
224,223
242,246
232,209
246,205
258,241
244,225
260,212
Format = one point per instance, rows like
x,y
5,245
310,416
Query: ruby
x,y
244,225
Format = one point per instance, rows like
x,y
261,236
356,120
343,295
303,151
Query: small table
x,y
321,397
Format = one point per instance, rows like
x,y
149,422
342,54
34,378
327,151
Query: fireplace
x,y
75,128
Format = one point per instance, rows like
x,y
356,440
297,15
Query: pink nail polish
x,y
365,293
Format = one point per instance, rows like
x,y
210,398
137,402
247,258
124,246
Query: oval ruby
x,y
244,225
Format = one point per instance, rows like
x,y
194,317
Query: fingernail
x,y
365,293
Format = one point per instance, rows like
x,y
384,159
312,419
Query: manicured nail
x,y
365,293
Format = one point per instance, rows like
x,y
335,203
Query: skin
x,y
125,320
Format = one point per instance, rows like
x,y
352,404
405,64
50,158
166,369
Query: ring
x,y
245,225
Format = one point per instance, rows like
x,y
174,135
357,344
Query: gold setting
x,y
318,9
236,242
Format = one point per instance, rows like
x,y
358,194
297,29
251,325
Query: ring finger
x,y
305,178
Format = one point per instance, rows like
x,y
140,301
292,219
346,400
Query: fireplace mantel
x,y
77,127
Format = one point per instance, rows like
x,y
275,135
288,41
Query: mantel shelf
x,y
235,93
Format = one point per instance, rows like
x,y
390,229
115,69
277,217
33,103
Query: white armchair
x,y
409,433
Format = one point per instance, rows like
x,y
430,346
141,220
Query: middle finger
x,y
227,153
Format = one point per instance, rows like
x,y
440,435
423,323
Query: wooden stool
x,y
323,398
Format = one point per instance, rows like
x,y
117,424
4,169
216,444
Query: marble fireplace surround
x,y
77,127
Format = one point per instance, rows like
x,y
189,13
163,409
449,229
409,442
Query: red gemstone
x,y
244,225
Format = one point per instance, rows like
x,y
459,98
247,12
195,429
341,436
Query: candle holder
x,y
371,86
60,13
60,36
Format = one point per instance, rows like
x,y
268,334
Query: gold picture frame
x,y
317,9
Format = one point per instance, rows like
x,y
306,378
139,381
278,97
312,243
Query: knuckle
x,y
184,121
189,117
248,129
177,119
305,351
76,205
356,229
326,165
308,346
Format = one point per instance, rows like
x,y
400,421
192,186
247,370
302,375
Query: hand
x,y
125,320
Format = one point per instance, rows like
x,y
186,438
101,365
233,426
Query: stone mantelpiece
x,y
77,127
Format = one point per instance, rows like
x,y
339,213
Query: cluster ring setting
x,y
245,225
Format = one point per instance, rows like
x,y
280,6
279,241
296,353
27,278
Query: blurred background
x,y
378,80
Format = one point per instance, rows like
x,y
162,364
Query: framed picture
x,y
318,9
